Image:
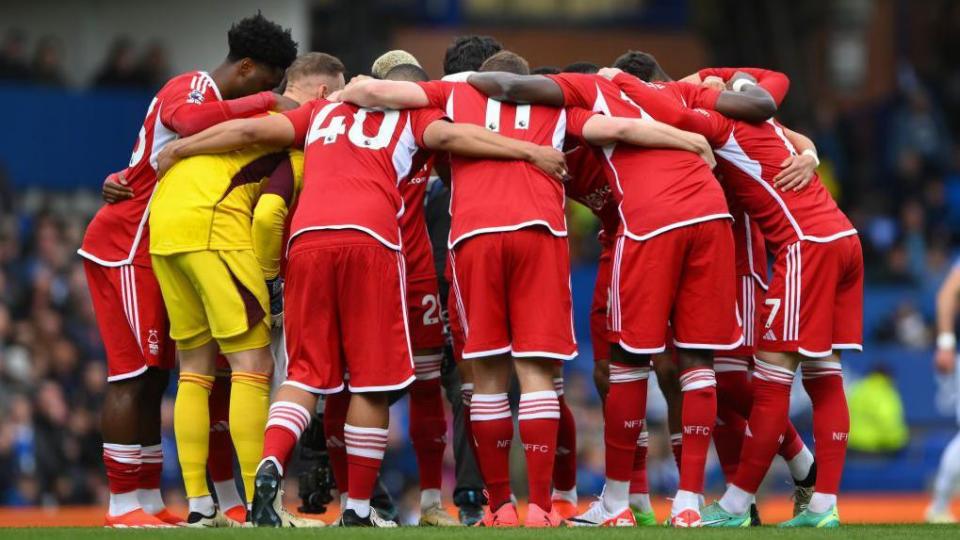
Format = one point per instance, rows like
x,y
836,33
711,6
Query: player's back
x,y
207,201
417,249
116,235
587,184
750,158
492,195
659,189
354,160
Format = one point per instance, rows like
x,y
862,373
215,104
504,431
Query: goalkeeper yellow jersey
x,y
206,202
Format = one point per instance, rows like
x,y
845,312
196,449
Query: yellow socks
x,y
191,424
249,405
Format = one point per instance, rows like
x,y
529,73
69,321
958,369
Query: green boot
x,y
824,520
715,516
644,519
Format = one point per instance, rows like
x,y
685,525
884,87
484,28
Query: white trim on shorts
x,y
311,389
388,388
128,375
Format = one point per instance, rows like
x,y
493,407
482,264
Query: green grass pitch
x,y
871,532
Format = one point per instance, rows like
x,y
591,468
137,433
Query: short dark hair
x,y
315,63
263,41
508,61
545,70
641,65
582,67
406,72
467,53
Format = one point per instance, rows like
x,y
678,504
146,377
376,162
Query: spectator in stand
x,y
13,56
48,62
154,67
120,67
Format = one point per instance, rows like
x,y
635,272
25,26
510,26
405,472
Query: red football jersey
x,y
691,96
117,235
588,186
490,195
657,189
748,158
355,158
417,250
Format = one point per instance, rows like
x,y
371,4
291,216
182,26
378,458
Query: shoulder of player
x,y
196,85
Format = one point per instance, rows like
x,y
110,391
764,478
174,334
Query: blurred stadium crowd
x,y
894,166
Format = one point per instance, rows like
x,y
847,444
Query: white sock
x,y
948,476
684,500
800,464
736,500
361,507
204,505
123,503
227,494
151,500
616,496
430,498
569,495
343,501
821,502
641,502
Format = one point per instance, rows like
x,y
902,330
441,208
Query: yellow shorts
x,y
215,295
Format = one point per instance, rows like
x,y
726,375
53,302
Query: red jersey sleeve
x,y
775,82
696,96
650,97
300,118
437,92
579,89
576,118
187,112
711,124
421,118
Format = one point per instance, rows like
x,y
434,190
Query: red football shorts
x,y
132,320
514,292
423,303
345,312
815,302
684,277
600,335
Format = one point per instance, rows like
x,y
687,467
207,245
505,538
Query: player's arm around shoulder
x,y
273,130
373,93
474,141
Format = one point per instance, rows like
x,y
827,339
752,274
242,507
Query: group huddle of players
x,y
247,219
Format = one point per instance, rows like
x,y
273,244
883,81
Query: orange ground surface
x,y
897,508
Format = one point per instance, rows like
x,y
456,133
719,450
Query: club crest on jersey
x,y
153,341
195,97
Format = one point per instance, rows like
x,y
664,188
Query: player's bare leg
x,y
428,429
668,380
155,383
564,498
624,412
698,386
120,421
492,427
